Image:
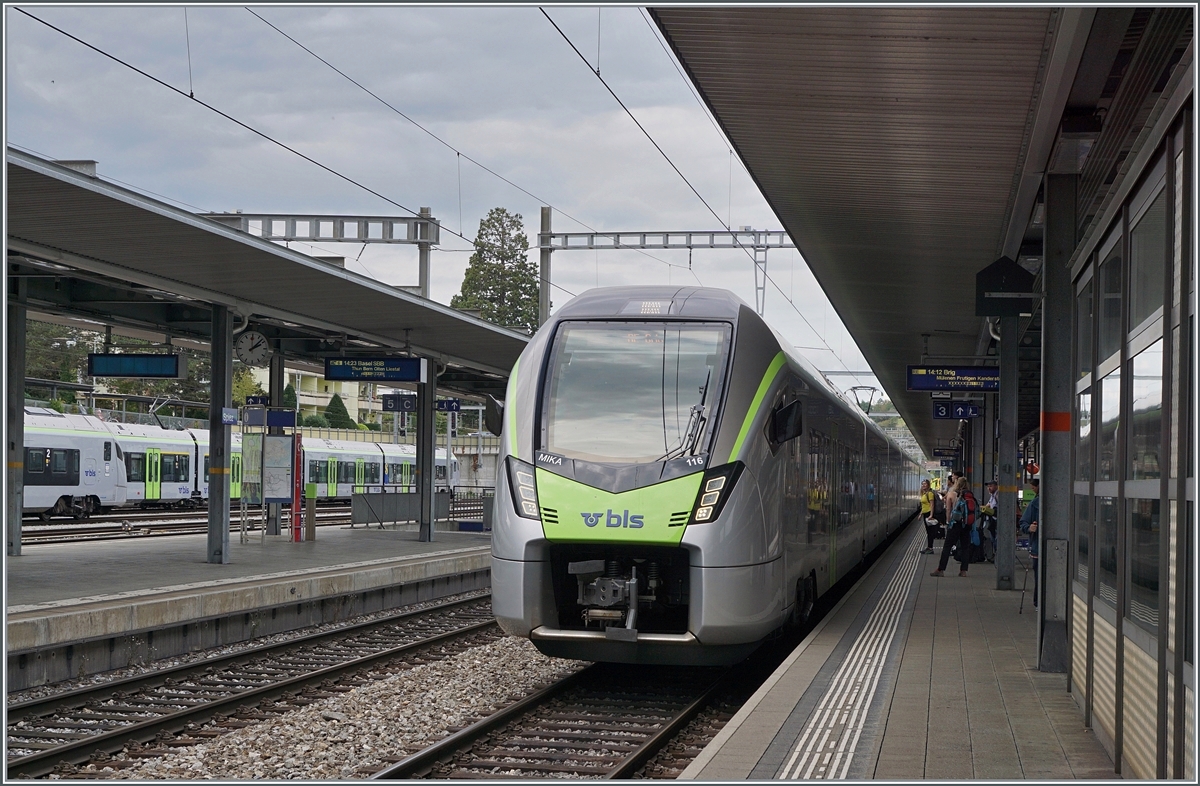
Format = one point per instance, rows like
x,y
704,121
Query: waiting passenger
x,y
1029,525
931,523
962,521
989,525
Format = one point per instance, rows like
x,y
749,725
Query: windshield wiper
x,y
695,426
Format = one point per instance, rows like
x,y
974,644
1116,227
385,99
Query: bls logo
x,y
622,519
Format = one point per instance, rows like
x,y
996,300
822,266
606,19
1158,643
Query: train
x,y
77,465
676,484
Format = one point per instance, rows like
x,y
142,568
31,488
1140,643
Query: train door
x,y
153,473
333,478
235,476
360,474
406,473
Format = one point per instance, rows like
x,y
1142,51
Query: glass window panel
x,y
1145,414
1106,549
1083,439
1110,411
58,462
1144,562
135,467
1110,304
1083,537
1083,331
1147,261
35,460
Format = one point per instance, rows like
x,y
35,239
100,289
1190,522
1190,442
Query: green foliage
x,y
55,405
244,384
289,397
314,421
337,415
501,282
371,426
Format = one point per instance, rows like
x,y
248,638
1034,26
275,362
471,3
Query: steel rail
x,y
429,756
42,763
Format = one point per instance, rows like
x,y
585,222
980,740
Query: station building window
x,y
1083,436
1147,261
1106,549
1110,303
1083,538
1083,331
1145,415
1143,563
1110,415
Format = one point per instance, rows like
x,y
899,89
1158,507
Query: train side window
x,y
36,460
787,422
206,464
108,451
135,467
58,462
440,472
371,474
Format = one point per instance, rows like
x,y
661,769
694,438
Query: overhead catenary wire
x,y
437,138
255,131
699,196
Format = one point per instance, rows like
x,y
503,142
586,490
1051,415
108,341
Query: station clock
x,y
252,348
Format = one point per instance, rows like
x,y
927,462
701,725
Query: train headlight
x,y
714,490
524,490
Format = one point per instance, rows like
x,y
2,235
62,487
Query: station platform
x,y
80,608
912,677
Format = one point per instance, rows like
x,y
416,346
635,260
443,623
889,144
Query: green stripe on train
x,y
763,387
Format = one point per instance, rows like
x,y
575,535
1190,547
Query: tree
x,y
289,397
314,421
337,415
501,282
244,384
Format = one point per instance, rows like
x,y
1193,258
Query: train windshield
x,y
633,392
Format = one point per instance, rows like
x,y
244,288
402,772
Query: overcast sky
x,y
498,84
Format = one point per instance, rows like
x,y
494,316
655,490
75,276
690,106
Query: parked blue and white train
x,y
76,465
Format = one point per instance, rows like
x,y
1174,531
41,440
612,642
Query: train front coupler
x,y
608,596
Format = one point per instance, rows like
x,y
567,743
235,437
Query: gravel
x,y
394,715
45,691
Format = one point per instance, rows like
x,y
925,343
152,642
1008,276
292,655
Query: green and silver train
x,y
679,483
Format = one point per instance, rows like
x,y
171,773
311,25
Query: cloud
x,y
500,84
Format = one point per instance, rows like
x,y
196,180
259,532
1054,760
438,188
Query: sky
x,y
500,85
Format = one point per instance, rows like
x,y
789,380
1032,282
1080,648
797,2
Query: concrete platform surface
x,y
56,593
912,677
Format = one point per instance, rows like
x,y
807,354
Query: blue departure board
x,y
137,366
360,369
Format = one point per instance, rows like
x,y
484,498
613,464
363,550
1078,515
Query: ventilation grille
x,y
680,518
550,515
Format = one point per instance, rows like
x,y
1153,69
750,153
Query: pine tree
x,y
501,282
289,397
337,415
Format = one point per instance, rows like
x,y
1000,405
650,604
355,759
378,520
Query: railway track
x,y
144,714
607,721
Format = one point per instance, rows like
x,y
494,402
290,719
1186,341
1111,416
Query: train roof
x,y
49,419
653,301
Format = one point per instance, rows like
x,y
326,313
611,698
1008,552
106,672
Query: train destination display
x,y
375,369
953,378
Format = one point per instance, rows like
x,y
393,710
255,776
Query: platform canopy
x,y
94,250
903,149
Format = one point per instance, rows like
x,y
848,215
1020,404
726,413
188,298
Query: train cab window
x,y
118,447
633,392
135,467
108,451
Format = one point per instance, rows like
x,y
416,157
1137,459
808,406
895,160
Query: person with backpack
x,y
962,524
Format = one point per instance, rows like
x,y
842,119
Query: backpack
x,y
939,505
965,508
